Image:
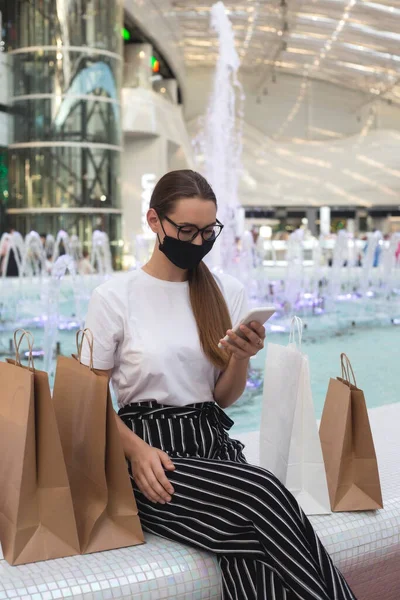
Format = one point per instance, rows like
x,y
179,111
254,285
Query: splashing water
x,y
75,248
221,141
390,264
63,265
12,242
61,246
294,270
340,259
101,255
370,260
34,258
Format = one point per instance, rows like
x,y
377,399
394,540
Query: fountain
x,y
294,271
101,255
49,245
34,259
390,265
75,248
370,260
54,300
34,256
312,289
245,266
221,140
340,264
61,245
315,278
46,295
12,244
62,265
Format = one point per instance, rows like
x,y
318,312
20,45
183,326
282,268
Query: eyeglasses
x,y
189,232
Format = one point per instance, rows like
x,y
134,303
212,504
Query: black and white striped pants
x,y
266,546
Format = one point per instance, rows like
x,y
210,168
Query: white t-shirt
x,y
144,329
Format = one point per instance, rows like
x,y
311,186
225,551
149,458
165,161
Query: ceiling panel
x,y
351,43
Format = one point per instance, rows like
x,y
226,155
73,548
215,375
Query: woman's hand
x,y
243,349
148,466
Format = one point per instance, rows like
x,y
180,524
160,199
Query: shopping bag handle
x,y
17,345
347,369
296,327
85,333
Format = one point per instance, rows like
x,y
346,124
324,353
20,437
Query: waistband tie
x,y
218,415
152,410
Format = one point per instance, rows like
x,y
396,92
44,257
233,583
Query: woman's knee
x,y
263,487
259,476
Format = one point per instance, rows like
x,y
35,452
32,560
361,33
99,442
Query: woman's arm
x,y
231,384
148,464
130,441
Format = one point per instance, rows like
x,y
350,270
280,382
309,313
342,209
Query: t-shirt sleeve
x,y
238,306
107,329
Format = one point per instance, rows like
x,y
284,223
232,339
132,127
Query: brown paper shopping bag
x,y
37,519
105,507
348,447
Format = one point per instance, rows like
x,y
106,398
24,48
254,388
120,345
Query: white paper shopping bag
x,y
281,382
306,476
289,440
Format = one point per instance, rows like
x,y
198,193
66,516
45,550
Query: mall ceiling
x,y
352,43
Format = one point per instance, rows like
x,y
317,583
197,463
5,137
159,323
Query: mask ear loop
x,y
160,243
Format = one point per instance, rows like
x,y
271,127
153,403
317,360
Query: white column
x,y
351,226
325,220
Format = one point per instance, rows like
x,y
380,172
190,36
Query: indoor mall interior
x,y
199,299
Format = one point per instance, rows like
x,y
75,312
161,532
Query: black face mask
x,y
184,255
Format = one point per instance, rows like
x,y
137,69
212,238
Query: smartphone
x,y
261,314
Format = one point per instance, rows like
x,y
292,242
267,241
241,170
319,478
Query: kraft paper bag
x,y
289,442
37,519
348,446
104,504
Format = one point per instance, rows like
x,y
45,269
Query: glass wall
x,y
65,152
61,71
93,23
64,177
67,119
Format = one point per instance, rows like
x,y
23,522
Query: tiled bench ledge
x,y
366,546
157,569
